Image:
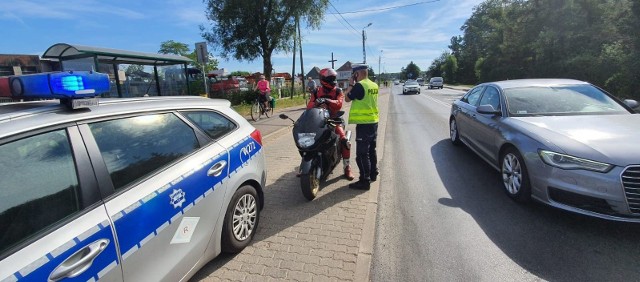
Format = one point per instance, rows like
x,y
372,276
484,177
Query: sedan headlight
x,y
570,162
306,139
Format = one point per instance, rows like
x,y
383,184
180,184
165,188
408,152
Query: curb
x,y
276,133
365,251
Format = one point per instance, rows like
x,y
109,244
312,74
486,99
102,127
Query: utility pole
x,y
332,61
293,68
364,38
379,74
300,41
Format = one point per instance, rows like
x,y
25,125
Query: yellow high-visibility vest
x,y
365,111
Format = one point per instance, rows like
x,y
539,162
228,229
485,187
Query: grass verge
x,y
245,109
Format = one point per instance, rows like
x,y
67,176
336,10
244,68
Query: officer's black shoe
x,y
374,175
360,185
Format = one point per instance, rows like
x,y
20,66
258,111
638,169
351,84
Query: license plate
x,y
84,103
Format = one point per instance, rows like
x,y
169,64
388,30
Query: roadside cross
x,y
332,61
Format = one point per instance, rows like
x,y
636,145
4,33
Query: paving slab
x,y
327,239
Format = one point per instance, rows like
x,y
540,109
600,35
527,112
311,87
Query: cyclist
x,y
311,86
263,87
329,96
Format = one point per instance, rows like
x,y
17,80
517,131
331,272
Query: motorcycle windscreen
x,y
310,127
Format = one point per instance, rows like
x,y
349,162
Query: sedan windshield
x,y
411,83
560,100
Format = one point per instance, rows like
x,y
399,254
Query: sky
x,y
401,31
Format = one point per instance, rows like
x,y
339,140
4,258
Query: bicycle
x,y
258,109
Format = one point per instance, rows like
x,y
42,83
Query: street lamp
x,y
379,74
364,37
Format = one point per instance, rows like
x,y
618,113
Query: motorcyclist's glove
x,y
321,101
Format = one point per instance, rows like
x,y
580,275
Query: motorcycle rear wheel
x,y
310,185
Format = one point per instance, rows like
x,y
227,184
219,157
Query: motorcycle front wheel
x,y
310,184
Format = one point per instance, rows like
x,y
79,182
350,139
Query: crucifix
x,y
332,61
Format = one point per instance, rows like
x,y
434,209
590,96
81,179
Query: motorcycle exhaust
x,y
348,135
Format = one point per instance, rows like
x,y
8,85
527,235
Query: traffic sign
x,y
201,52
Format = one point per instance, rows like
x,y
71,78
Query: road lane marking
x,y
436,100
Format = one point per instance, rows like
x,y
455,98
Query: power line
x,y
334,7
343,24
387,8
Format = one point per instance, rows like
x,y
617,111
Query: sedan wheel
x,y
453,132
514,176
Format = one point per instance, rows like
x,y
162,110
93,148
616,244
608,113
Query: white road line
x,y
436,100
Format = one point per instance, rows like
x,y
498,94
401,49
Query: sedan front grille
x,y
631,183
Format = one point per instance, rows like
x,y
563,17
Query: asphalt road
x,y
443,216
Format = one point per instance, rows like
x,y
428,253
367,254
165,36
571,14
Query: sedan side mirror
x,y
631,103
488,110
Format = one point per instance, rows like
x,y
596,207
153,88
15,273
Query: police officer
x,y
364,114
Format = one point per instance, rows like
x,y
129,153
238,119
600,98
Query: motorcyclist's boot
x,y
347,173
347,170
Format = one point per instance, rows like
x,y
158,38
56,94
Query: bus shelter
x,y
131,74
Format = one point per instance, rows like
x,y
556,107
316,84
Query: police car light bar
x,y
59,85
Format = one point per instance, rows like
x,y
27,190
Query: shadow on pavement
x,y
550,243
285,207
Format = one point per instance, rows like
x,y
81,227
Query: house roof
x,y
314,73
345,67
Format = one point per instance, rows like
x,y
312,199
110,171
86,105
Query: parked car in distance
x,y
411,86
129,189
243,83
436,82
563,142
223,85
396,82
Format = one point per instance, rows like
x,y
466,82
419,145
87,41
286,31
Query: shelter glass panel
x,y
173,81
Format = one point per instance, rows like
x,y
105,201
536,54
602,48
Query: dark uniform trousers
x,y
366,157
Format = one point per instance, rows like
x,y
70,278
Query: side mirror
x,y
283,116
631,103
487,110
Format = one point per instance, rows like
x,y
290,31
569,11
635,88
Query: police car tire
x,y
229,242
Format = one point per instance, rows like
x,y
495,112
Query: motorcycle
x,y
319,147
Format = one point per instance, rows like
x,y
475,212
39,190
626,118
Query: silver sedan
x,y
563,142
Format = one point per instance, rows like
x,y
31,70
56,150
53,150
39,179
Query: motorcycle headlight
x,y
305,140
570,162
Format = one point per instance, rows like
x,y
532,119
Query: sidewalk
x,y
328,239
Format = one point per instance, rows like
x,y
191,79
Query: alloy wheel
x,y
511,174
244,217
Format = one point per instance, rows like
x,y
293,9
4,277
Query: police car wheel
x,y
241,220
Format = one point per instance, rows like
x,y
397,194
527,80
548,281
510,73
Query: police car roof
x,y
24,116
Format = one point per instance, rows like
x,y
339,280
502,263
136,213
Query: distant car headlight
x,y
570,162
306,139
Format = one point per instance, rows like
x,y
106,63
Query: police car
x,y
140,189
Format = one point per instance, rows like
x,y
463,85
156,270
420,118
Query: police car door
x,y
53,225
165,177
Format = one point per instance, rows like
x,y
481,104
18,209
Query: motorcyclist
x,y
329,96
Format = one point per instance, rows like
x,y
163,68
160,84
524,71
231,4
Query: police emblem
x,y
177,198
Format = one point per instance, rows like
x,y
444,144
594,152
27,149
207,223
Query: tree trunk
x,y
267,66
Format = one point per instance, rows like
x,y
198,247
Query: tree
x,y
412,71
134,69
449,69
435,70
240,73
173,47
247,30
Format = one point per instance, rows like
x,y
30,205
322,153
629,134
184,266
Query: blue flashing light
x,y
60,85
68,83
